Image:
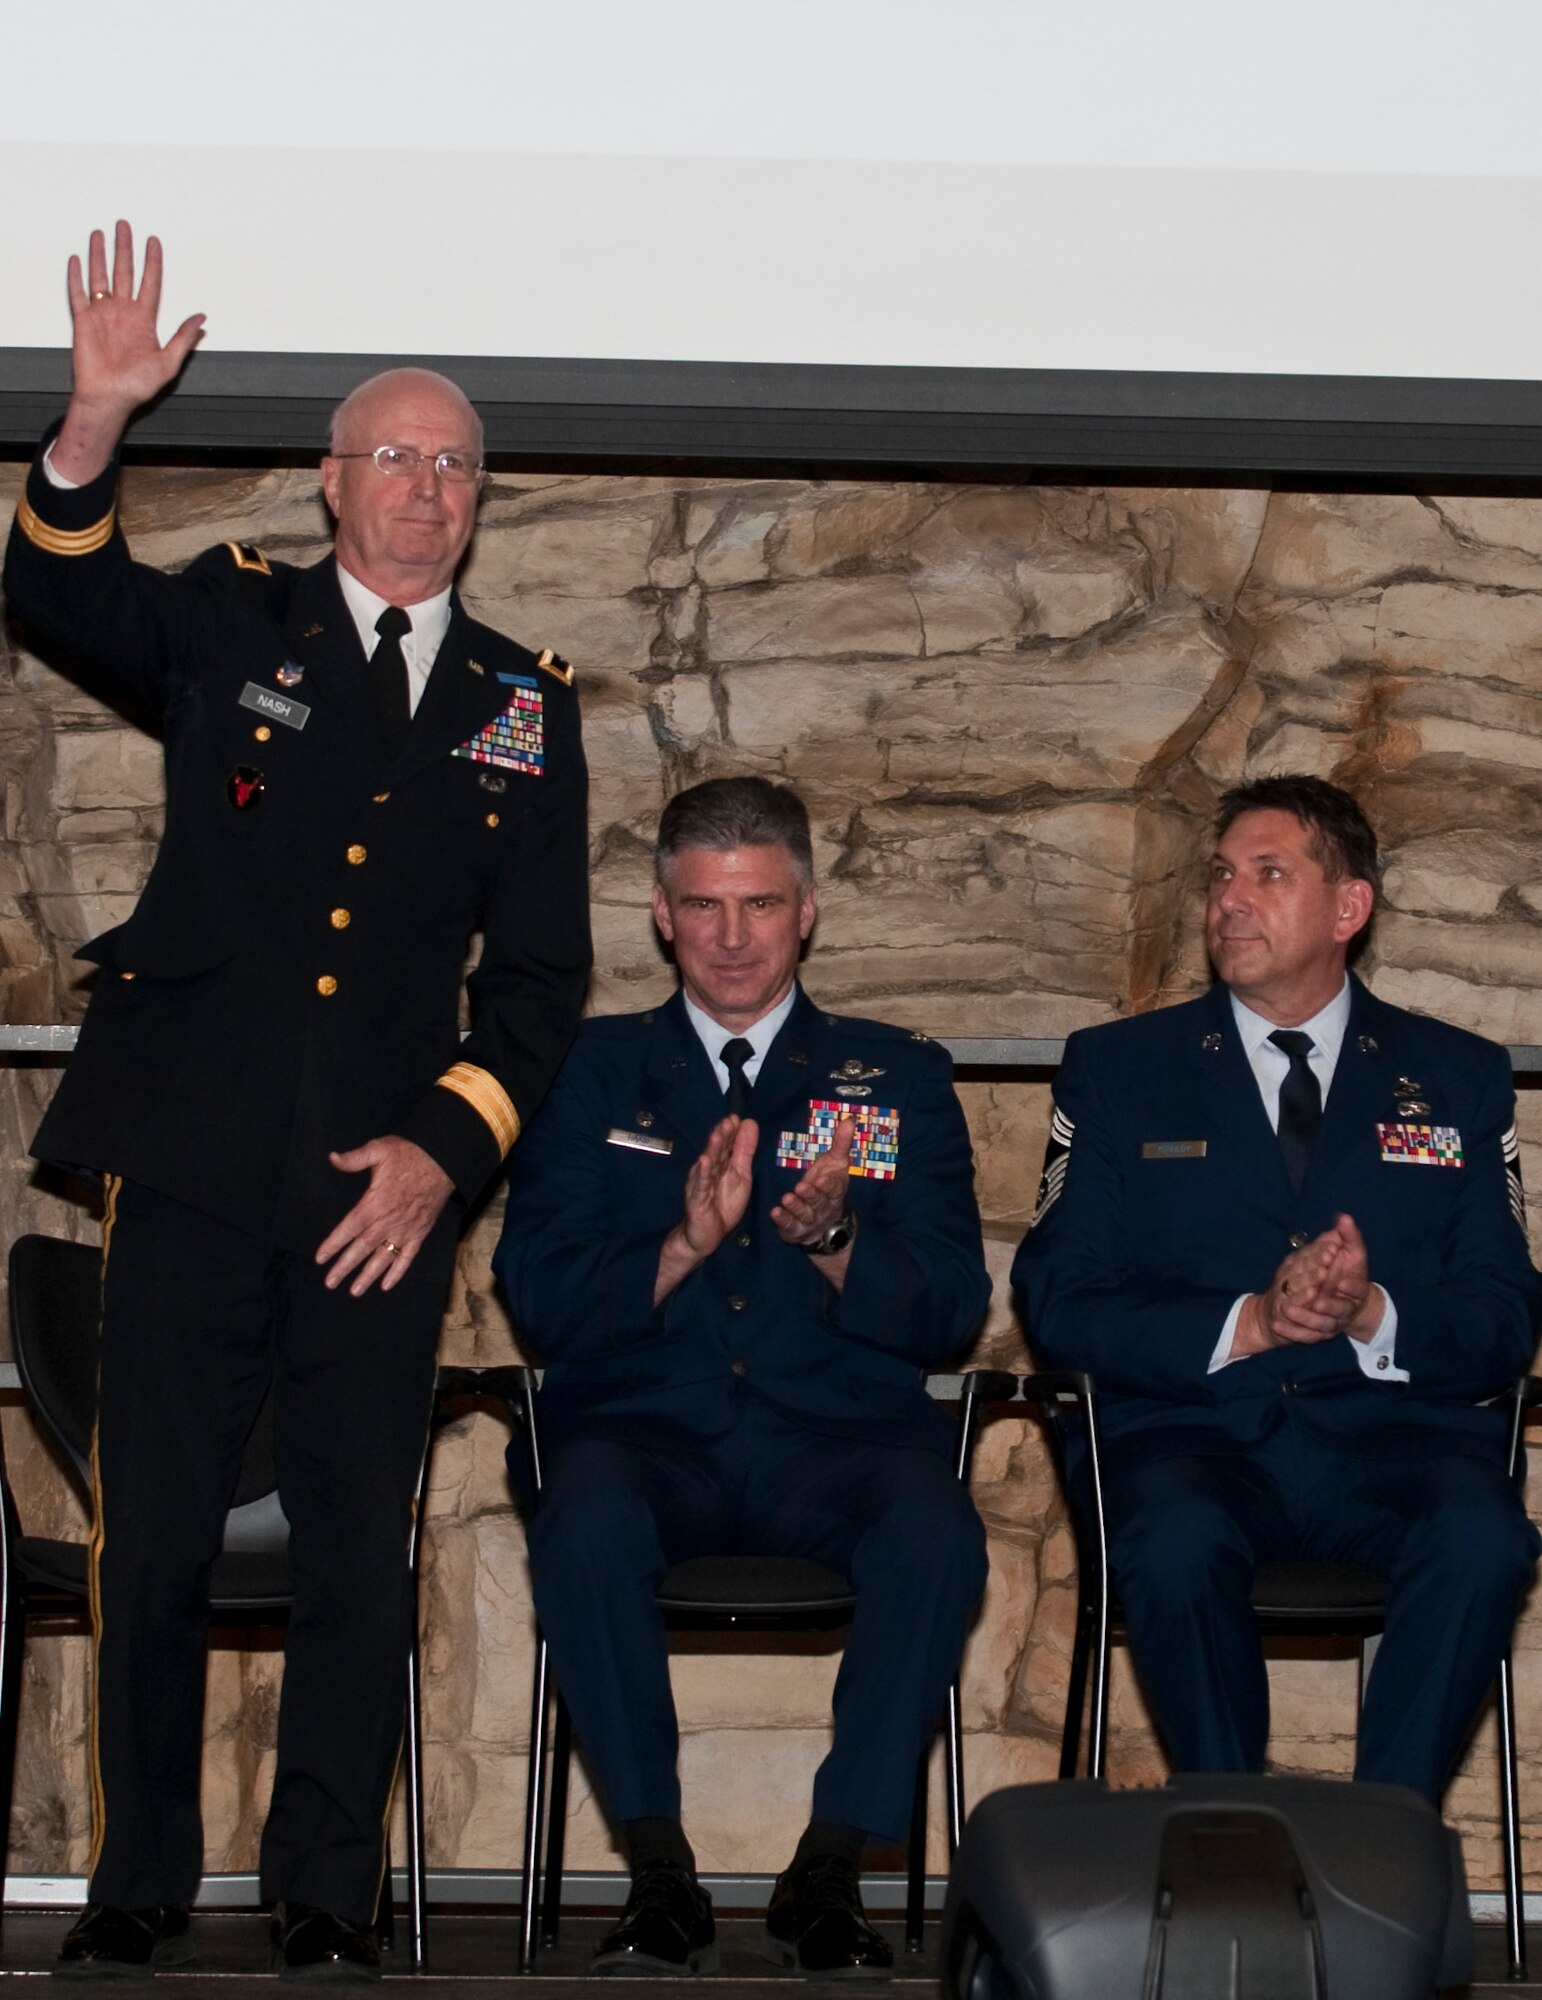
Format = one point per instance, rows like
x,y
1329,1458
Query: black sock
x,y
652,1840
828,1837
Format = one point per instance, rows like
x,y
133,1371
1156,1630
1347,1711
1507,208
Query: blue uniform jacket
x,y
1136,1254
587,1216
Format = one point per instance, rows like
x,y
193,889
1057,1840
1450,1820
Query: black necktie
x,y
388,676
1300,1103
733,1056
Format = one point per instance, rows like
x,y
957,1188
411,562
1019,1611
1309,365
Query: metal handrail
x,y
967,1051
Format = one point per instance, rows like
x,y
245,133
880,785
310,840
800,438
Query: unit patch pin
x,y
1420,1145
514,740
244,787
874,1145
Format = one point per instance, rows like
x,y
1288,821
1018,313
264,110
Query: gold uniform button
x,y
356,854
736,1303
492,819
381,797
127,975
262,732
341,919
326,986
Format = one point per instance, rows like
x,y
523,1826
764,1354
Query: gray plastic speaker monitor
x,y
1210,1888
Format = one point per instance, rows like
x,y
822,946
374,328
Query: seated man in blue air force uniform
x,y
1282,1226
270,1075
738,1233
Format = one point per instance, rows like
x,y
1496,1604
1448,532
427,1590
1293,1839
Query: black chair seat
x,y
751,1586
1318,1592
243,1581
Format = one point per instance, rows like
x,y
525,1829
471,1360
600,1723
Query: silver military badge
x,y
853,1077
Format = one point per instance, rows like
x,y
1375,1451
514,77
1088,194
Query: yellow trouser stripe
x,y
98,1541
402,1746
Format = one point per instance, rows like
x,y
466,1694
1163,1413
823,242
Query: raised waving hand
x,y
119,361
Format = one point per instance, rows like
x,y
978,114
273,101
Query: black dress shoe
x,y
815,1922
106,1943
313,1944
665,1929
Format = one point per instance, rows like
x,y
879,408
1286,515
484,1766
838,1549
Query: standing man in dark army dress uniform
x,y
740,1230
270,1074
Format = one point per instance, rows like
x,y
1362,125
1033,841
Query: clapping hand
x,y
1320,1291
717,1192
717,1189
807,1211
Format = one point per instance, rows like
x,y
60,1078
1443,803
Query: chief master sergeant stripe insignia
x,y
487,1098
1512,1152
64,541
1057,1158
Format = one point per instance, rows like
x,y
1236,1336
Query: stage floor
x,y
471,1957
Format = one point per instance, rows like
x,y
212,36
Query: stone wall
x,y
1010,709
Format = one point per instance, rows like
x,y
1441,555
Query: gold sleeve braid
x,y
64,541
487,1098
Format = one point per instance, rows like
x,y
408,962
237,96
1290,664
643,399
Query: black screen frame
x,y
641,416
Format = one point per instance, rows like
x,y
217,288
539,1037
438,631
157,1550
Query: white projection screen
x,y
995,231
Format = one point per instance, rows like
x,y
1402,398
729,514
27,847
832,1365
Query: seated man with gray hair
x,y
738,1233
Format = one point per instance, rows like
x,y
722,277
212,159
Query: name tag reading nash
x,y
276,707
638,1142
1173,1149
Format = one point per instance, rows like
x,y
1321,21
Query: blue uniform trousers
x,y
1447,1532
614,1517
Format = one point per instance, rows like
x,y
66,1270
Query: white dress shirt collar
x,y
1327,1029
1270,1064
760,1037
420,646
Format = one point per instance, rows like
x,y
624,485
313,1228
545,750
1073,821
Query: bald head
x,y
358,417
402,533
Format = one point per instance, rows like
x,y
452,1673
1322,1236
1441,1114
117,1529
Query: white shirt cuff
x,y
57,478
1223,1356
1375,1355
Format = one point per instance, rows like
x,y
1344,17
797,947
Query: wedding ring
x,y
395,1252
97,295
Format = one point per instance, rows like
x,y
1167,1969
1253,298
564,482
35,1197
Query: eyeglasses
x,y
400,461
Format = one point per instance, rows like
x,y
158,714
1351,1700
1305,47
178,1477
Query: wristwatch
x,y
836,1237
